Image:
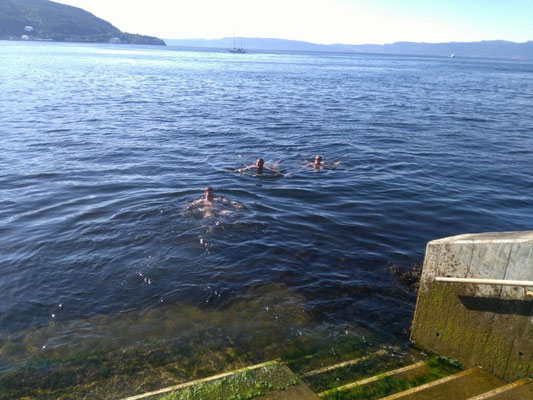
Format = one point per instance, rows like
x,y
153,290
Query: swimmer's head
x,y
208,193
260,162
318,159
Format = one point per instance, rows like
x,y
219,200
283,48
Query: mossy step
x,y
460,386
305,357
258,381
340,374
343,364
297,392
345,391
394,381
521,389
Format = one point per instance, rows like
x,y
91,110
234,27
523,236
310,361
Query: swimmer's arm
x,y
277,171
246,168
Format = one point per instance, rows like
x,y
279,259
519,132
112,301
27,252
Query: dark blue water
x,y
103,147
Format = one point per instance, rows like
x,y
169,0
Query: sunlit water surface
x,y
103,148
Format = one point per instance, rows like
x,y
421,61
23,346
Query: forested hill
x,y
60,22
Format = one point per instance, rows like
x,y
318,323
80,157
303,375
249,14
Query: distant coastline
x,y
44,20
482,49
122,38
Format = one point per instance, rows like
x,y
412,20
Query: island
x,y
45,20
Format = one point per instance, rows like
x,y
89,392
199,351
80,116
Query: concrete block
x,y
487,325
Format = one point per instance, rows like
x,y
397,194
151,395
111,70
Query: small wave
x,y
57,130
473,119
134,102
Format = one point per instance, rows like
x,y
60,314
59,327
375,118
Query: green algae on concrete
x,y
150,366
369,366
436,368
202,343
463,385
242,385
309,353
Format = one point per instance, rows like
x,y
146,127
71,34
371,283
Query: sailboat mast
x,y
236,49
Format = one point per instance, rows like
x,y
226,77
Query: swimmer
x,y
209,204
209,197
319,163
260,167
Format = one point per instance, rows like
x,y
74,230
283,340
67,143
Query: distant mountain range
x,y
486,49
47,20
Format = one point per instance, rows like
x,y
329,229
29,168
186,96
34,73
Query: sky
x,y
321,21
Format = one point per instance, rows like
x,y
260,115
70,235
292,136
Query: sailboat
x,y
239,50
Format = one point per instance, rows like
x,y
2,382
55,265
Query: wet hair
x,y
260,161
319,158
208,189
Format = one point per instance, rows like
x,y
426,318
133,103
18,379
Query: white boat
x,y
239,50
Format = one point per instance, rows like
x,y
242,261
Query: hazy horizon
x,y
351,22
347,44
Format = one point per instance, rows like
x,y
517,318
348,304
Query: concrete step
x,y
521,389
343,364
265,381
297,392
340,374
408,372
461,386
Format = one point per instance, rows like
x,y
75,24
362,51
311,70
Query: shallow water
x,y
103,148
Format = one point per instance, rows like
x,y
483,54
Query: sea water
x,y
104,147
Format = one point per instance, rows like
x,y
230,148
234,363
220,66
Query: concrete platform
x,y
478,324
518,390
461,386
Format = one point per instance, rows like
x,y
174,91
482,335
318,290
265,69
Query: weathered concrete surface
x,y
461,386
520,389
270,380
521,393
490,326
300,392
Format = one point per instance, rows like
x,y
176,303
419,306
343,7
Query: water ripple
x,y
98,164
